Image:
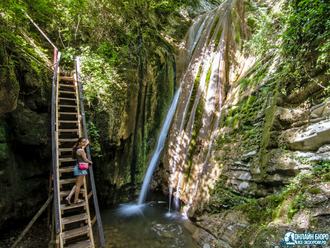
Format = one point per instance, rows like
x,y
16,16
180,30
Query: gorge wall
x,y
247,153
267,169
124,117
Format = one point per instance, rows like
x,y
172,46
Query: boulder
x,y
288,115
310,138
9,89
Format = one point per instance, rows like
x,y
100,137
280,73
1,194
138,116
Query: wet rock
x,y
325,148
322,109
247,156
287,116
243,187
202,237
9,89
226,228
280,162
310,138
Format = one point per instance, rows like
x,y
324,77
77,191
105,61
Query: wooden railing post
x,y
91,174
55,57
54,157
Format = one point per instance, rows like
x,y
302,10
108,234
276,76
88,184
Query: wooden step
x,y
62,121
68,130
75,232
66,159
67,140
67,92
66,78
67,106
74,218
67,85
69,180
81,244
67,192
66,169
70,104
67,99
72,206
67,113
65,149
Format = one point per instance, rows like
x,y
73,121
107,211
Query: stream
x,y
146,226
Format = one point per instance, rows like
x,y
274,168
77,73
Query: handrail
x,y
96,205
55,48
37,61
54,157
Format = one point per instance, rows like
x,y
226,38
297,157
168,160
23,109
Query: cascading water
x,y
204,85
208,54
159,149
217,75
190,48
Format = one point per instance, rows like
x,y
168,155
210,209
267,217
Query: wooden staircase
x,y
74,219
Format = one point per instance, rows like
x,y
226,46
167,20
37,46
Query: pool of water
x,y
147,226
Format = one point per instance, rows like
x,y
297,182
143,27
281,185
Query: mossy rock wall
x,y
126,154
270,162
25,147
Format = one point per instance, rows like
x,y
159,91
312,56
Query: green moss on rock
x,y
4,152
314,191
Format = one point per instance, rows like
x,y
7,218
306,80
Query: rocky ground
x,y
35,237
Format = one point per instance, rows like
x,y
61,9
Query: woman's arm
x,y
82,153
87,143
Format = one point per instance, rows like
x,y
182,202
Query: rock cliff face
x,y
124,132
270,134
128,129
216,62
239,135
25,149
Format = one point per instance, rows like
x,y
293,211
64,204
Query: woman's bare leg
x,y
80,181
68,198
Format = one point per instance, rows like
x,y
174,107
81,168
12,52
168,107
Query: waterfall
x,y
208,57
159,149
217,76
205,58
189,48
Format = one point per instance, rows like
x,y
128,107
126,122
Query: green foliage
x,y
237,37
296,205
252,22
314,191
264,37
224,198
198,123
321,168
217,39
102,86
94,134
308,22
208,77
213,28
250,7
243,85
4,152
306,40
193,96
263,210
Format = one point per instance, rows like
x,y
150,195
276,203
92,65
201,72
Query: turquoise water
x,y
147,226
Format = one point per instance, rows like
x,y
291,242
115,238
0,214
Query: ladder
x,y
75,221
72,224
